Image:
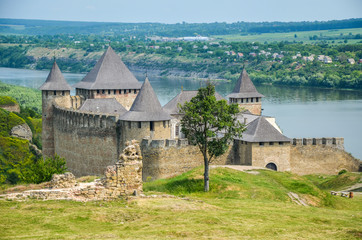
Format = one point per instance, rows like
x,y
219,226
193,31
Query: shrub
x,y
342,172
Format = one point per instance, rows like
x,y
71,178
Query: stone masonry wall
x,y
277,154
324,159
254,108
89,142
168,158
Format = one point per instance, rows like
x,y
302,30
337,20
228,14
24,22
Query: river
x,y
300,112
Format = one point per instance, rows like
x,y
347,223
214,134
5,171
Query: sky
x,y
190,11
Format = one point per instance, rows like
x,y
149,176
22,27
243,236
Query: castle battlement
x,y
164,143
67,117
337,142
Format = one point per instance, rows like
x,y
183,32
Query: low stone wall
x,y
169,158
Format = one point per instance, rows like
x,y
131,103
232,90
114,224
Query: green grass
x,y
301,36
239,206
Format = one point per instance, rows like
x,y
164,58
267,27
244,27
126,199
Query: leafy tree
x,y
210,124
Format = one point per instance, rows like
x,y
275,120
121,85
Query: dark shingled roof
x,y
55,80
184,96
244,88
260,130
109,73
146,106
103,105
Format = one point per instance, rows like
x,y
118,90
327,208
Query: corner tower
x,y
54,86
146,118
110,78
246,95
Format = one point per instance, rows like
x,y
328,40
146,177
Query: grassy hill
x,y
240,205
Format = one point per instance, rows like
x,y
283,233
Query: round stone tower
x,y
54,86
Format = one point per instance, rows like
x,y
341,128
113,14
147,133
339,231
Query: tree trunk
x,y
206,174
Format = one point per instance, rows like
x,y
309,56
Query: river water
x,y
299,112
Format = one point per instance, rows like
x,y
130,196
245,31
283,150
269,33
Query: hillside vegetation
x,y
240,205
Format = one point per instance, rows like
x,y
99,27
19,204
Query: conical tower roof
x,y
244,87
55,80
109,73
260,130
146,106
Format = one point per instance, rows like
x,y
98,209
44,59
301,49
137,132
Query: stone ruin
x,y
121,180
66,180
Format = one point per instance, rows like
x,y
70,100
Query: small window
x,y
152,126
129,125
247,100
177,130
135,91
103,91
97,91
261,144
125,91
242,100
46,93
271,143
109,91
63,93
252,99
114,91
281,143
164,124
139,124
120,91
257,99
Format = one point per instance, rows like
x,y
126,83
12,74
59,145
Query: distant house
x,y
168,47
308,59
179,49
275,55
227,53
232,53
240,55
351,60
255,47
194,46
327,59
253,54
210,52
157,47
320,58
360,61
205,47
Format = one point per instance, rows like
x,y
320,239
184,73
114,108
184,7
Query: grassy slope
x,y
301,36
240,206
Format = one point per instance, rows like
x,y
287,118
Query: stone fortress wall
x,y
88,141
169,158
325,155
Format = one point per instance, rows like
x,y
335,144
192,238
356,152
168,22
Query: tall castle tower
x,y
54,86
110,78
246,95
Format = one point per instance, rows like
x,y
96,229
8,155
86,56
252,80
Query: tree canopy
x,y
210,124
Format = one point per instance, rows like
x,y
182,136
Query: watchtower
x,y
54,86
110,78
146,118
246,95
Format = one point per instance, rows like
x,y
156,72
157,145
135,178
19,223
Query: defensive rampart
x,y
168,158
320,155
88,141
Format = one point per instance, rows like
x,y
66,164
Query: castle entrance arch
x,y
272,166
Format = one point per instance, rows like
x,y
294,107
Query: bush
x,y
43,170
342,172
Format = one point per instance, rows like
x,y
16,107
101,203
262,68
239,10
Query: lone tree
x,y
210,124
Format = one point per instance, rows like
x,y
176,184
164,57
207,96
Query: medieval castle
x,y
112,107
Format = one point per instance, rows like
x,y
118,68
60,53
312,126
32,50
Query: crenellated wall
x,y
168,158
89,142
331,142
321,155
